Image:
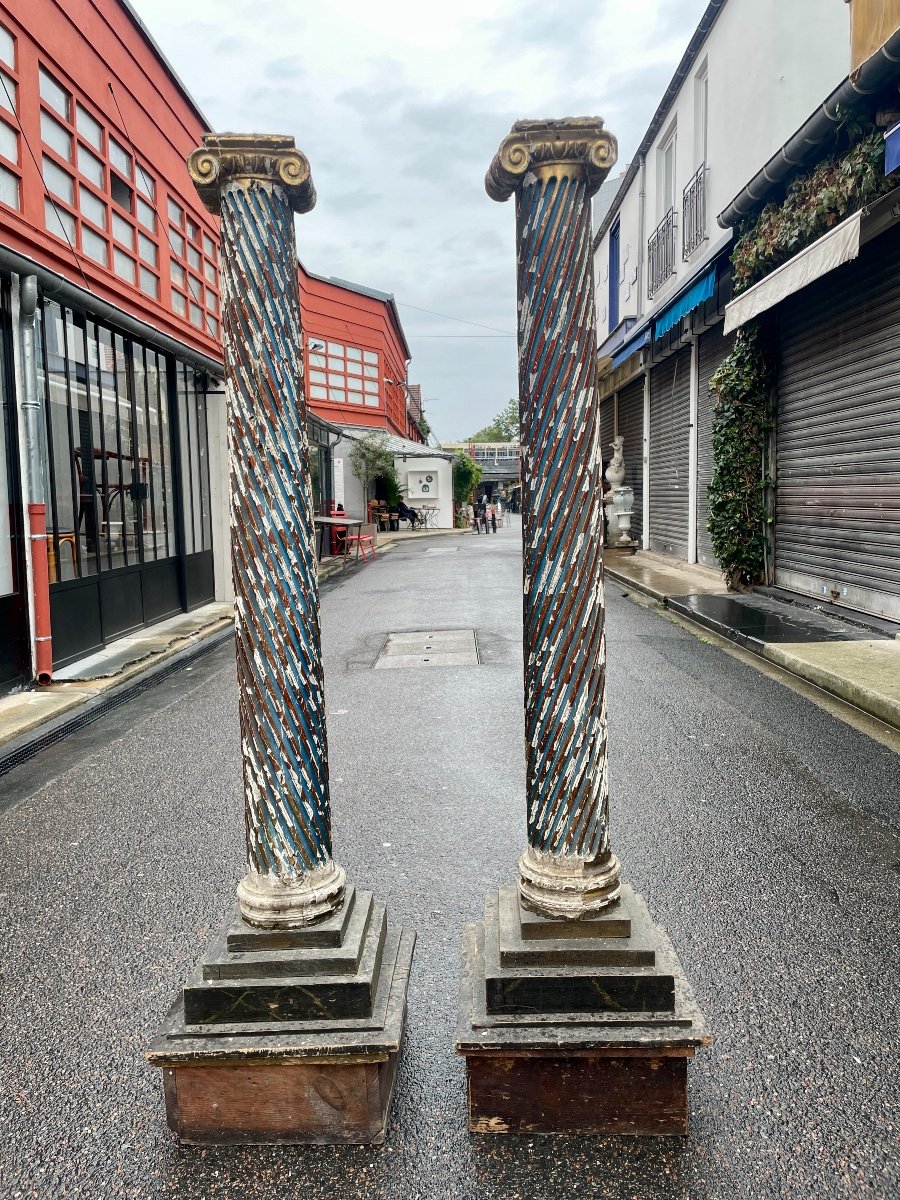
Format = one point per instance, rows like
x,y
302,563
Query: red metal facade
x,y
94,133
356,357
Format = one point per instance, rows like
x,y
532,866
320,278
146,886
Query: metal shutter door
x,y
712,349
838,434
631,428
670,410
607,415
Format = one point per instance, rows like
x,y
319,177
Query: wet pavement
x,y
756,620
764,833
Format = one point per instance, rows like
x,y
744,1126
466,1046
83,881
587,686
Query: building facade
x,y
357,360
752,73
110,307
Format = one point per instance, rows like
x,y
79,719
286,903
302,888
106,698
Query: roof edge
x,y
169,69
875,74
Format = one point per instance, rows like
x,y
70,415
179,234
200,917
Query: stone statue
x,y
615,473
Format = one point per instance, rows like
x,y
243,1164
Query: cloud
x,y
400,118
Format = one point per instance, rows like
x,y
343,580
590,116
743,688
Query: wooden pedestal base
x,y
289,1035
590,1093
575,1026
280,1101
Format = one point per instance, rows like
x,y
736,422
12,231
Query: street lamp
x,y
575,1012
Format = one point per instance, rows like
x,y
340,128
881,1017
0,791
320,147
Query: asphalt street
x,y
763,832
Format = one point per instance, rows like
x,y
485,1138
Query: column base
x,y
567,886
575,1026
265,901
289,1035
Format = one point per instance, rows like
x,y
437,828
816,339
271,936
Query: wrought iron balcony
x,y
693,213
661,253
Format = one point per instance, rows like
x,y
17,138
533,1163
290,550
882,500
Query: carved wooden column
x,y
303,994
575,1014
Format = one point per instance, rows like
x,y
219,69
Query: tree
x,y
503,428
371,458
466,476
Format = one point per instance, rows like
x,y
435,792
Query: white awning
x,y
839,245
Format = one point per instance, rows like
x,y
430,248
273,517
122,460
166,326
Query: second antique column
x,y
554,168
575,1014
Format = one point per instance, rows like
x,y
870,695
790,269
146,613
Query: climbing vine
x,y
838,186
835,188
737,490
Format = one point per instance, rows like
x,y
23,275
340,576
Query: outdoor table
x,y
347,523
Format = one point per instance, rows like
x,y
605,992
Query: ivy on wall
x,y
837,187
834,189
737,490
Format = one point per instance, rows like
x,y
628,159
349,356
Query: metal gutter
x,y
683,69
63,289
871,78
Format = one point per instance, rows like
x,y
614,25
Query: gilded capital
x,y
573,144
241,158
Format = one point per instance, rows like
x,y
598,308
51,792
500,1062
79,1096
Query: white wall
x,y
770,63
219,495
354,501
419,490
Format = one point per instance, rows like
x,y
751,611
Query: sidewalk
x,y
856,661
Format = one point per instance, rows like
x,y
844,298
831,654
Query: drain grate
x,y
429,648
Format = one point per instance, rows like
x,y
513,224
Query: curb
x,y
20,749
875,704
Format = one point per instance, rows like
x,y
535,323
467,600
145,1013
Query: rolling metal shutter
x,y
631,428
712,349
607,432
837,531
670,410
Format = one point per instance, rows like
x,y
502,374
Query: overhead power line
x,y
448,317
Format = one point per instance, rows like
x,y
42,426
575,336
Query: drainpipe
x,y
642,201
42,646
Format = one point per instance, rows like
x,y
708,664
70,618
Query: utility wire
x,y
448,317
49,194
154,194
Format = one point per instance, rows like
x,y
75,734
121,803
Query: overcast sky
x,y
400,106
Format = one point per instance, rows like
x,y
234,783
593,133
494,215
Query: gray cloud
x,y
400,131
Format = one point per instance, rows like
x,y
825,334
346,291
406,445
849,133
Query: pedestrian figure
x,y
493,511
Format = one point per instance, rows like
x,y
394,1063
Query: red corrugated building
x,y
357,357
112,407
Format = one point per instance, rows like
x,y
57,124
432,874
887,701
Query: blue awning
x,y
686,302
631,347
892,149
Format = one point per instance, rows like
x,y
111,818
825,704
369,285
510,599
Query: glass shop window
x,y
109,469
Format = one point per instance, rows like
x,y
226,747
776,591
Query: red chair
x,y
364,539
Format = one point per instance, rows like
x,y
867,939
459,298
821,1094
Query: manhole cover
x,y
430,648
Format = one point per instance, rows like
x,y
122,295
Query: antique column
x,y
575,1015
290,1028
553,169
255,186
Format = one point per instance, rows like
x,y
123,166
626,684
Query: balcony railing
x,y
661,253
693,213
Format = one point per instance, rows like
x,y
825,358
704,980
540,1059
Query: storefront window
x,y
110,464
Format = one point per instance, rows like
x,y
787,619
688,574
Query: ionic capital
x,y
573,144
241,158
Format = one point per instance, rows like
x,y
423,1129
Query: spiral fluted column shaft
x,y
553,169
291,878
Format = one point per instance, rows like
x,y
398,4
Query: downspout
x,y
642,201
33,411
